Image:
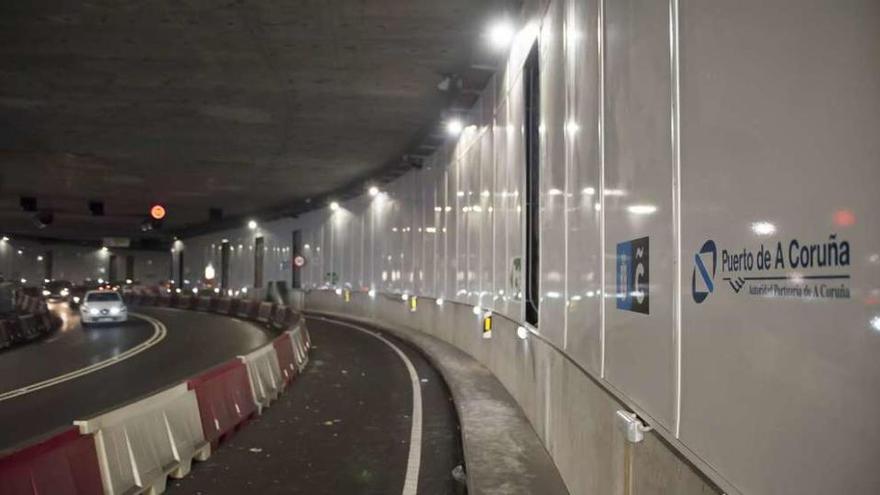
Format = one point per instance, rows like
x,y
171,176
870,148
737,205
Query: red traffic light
x,y
157,212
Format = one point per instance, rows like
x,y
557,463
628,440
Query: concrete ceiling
x,y
245,105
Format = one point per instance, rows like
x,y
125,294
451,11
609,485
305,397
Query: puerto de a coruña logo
x,y
702,279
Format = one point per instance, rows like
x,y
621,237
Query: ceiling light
x,y
334,205
521,332
500,34
252,225
374,191
454,127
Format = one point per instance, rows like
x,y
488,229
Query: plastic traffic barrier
x,y
222,305
264,374
225,399
203,304
29,326
149,299
264,312
64,464
183,301
280,316
134,298
287,359
246,309
300,350
140,444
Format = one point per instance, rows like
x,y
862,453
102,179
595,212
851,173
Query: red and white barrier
x,y
287,361
64,464
133,449
141,444
265,375
225,399
264,312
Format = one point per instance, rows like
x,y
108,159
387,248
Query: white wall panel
x,y
499,203
514,218
485,215
583,172
780,116
551,322
640,353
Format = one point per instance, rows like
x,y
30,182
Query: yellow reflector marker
x,y
487,326
412,303
347,294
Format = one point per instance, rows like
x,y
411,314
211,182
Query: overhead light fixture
x,y
454,127
500,34
252,224
4,239
374,191
28,203
334,205
97,208
43,219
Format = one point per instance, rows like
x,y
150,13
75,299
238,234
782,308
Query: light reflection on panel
x,y
640,346
551,322
499,202
485,214
515,188
583,174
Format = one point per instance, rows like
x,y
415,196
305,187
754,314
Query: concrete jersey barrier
x,y
140,444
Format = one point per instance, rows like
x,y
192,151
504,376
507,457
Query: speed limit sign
x,y
299,261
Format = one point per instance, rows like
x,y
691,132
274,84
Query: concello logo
x,y
704,260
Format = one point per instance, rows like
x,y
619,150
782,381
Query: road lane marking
x,y
158,335
411,481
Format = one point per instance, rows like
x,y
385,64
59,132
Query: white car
x,y
100,306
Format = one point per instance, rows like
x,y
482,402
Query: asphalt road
x,y
194,342
343,427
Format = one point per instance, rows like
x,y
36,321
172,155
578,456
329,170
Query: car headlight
x,y
93,311
65,292
46,293
114,310
76,299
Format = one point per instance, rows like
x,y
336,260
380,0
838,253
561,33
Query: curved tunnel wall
x,y
745,124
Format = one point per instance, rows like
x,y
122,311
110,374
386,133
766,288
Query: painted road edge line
x,y
158,335
411,481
